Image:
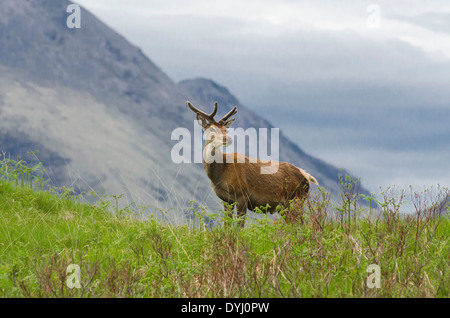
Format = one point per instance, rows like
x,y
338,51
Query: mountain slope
x,y
101,113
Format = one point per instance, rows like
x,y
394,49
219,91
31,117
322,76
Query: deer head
x,y
215,132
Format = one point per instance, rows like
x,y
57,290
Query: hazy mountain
x,y
101,113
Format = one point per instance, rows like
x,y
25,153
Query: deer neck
x,y
213,163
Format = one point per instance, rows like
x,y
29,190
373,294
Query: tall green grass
x,y
324,252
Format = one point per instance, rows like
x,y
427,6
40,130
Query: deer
x,y
237,179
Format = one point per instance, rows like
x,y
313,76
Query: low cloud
x,y
432,20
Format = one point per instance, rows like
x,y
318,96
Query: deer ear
x,y
202,121
229,122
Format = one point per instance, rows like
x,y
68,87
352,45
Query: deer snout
x,y
227,141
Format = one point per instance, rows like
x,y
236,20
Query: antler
x,y
230,113
209,117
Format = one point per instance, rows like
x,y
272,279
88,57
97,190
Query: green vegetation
x,y
325,252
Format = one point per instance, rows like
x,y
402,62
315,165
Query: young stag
x,y
237,178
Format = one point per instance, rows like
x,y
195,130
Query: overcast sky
x,y
361,84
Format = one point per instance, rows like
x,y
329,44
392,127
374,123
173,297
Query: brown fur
x,y
242,183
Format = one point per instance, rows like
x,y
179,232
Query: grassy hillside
x,y
326,252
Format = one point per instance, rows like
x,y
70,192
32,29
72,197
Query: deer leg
x,y
241,211
228,211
